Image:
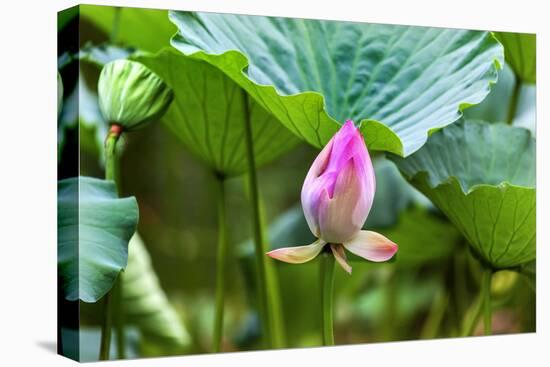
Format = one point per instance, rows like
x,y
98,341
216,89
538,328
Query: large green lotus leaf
x,y
401,82
521,54
482,176
208,114
145,303
494,108
94,227
146,29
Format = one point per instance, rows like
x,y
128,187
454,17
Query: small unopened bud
x,y
131,95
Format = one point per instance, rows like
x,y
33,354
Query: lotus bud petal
x,y
371,246
339,188
298,254
131,95
340,256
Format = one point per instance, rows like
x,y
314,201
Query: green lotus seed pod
x,y
131,95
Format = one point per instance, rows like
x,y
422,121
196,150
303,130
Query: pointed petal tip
x,y
372,246
340,256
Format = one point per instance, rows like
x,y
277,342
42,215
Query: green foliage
x,y
209,112
131,95
146,305
423,238
146,29
64,17
401,82
483,178
521,54
494,108
94,227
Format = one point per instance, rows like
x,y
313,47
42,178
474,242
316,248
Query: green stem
x,y
432,324
486,296
110,153
259,242
327,283
105,344
473,315
276,320
109,308
119,317
116,25
512,107
220,267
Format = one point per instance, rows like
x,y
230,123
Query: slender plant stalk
x,y
512,107
118,313
486,296
474,313
276,319
110,152
116,25
105,345
259,242
109,309
327,284
431,326
221,259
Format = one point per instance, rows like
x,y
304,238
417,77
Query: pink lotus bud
x,y
339,188
336,198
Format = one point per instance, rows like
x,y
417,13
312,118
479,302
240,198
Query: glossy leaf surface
x,y
209,111
482,176
94,228
402,82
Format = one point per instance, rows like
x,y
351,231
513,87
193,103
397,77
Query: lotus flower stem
x,y
113,299
259,240
110,152
105,343
431,326
486,297
472,317
118,314
327,286
116,25
220,266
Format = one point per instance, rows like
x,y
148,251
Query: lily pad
x,y
521,54
482,176
145,303
94,227
401,82
208,114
